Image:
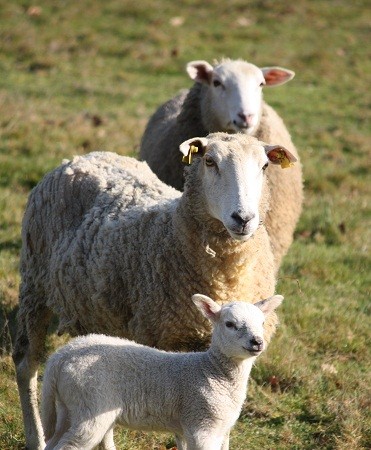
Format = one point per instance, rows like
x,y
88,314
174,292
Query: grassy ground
x,y
77,76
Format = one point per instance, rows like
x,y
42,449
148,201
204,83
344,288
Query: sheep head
x,y
232,99
238,326
230,173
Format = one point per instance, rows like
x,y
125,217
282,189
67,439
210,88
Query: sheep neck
x,y
229,370
190,116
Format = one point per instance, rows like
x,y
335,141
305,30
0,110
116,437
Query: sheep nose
x,y
257,343
242,220
246,118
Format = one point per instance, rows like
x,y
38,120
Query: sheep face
x,y
234,92
232,183
232,175
238,327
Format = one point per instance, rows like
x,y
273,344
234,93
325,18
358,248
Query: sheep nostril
x,y
257,342
242,221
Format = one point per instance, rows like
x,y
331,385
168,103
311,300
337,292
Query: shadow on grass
x,y
11,245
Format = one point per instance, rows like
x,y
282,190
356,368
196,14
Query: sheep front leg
x,y
205,440
180,443
108,442
225,445
27,387
28,352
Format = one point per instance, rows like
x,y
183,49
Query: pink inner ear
x,y
276,76
203,75
208,311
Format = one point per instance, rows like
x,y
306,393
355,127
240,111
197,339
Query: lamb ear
x,y
275,76
192,146
200,71
279,155
269,304
207,306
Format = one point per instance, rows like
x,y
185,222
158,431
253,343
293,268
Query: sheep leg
x,y
61,427
205,441
180,442
28,351
85,436
108,442
225,445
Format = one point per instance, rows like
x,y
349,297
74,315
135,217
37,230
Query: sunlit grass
x,y
81,76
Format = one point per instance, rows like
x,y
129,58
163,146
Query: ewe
x,y
96,381
110,249
228,97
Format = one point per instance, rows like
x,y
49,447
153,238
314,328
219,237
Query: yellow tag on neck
x,y
188,158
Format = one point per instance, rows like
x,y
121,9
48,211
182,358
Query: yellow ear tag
x,y
188,158
285,162
282,159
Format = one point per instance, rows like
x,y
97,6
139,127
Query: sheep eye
x,y
209,161
265,166
230,325
217,83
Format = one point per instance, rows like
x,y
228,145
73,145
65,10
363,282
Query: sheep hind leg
x,y
180,442
61,428
84,436
205,441
108,442
28,351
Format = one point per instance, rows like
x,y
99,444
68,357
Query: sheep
x,y
96,381
110,249
228,97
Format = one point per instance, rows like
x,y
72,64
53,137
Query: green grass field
x,y
76,76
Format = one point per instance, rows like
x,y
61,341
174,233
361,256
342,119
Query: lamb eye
x,y
217,83
230,325
209,161
265,166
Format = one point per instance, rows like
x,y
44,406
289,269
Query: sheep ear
x,y
200,71
191,146
279,155
275,76
207,306
269,304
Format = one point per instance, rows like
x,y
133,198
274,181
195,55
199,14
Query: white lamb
x,y
228,98
96,381
110,249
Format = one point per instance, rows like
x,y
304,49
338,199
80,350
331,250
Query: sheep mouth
x,y
252,351
236,129
240,128
240,235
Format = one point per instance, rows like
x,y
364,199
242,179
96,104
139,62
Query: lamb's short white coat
x,y
96,381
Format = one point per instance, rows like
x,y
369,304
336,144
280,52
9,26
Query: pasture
x,y
76,76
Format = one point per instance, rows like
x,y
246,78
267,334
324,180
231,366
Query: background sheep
x,y
228,97
95,381
111,249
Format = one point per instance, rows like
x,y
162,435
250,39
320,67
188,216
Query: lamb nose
x,y
242,221
257,341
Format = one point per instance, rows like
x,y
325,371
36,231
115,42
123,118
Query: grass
x,y
79,76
